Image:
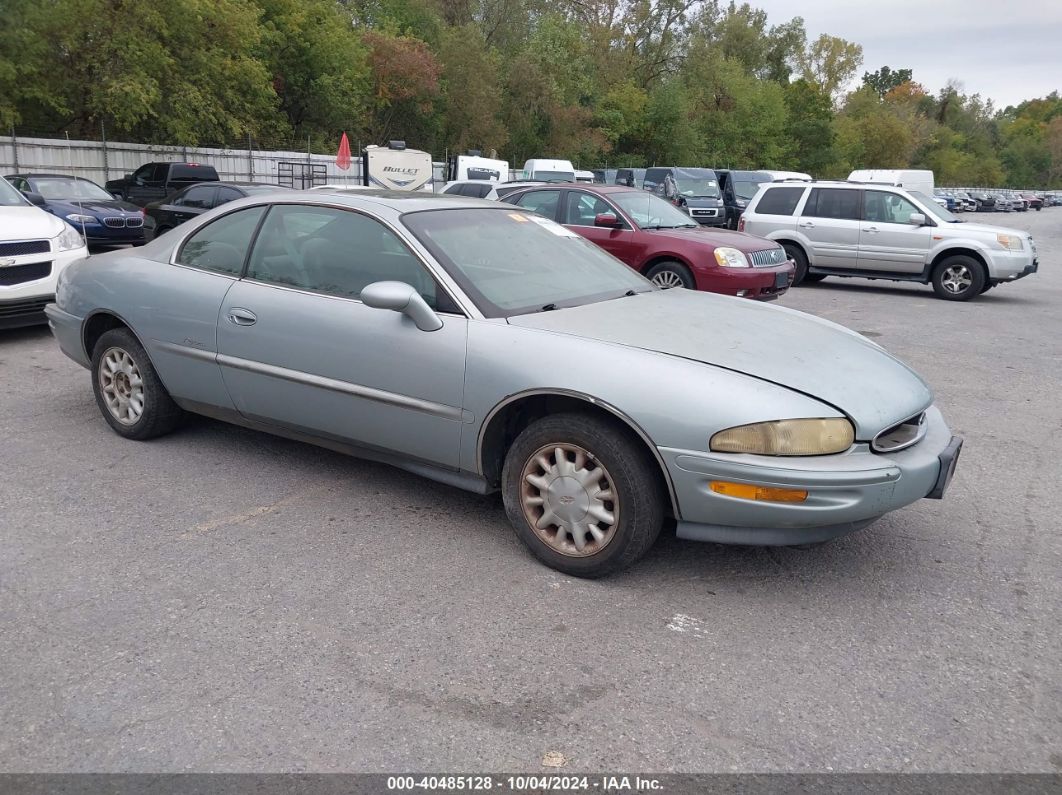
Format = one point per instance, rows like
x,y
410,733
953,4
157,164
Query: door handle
x,y
806,225
871,229
242,317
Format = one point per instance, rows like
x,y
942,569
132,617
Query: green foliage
x,y
629,82
885,79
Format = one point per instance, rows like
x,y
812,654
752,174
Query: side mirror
x,y
34,198
607,220
401,297
916,219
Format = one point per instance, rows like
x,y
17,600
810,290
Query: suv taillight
x,y
741,224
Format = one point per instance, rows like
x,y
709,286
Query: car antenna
x,y
77,188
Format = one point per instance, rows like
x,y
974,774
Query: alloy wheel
x,y
956,278
667,279
122,386
569,500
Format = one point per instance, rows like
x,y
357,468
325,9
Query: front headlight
x,y
75,218
1012,242
68,239
731,258
786,437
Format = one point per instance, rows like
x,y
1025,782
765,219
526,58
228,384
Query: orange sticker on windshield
x,y
517,217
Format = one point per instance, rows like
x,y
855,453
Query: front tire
x,y
128,391
582,494
671,274
958,278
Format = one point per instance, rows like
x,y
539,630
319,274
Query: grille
x,y
767,258
900,436
114,221
24,247
17,274
135,222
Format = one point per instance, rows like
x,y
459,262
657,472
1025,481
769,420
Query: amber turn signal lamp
x,y
748,491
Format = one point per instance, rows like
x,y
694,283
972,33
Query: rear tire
x,y
800,259
582,494
128,391
958,278
671,274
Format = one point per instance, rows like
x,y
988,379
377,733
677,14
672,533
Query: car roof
x,y
39,175
396,200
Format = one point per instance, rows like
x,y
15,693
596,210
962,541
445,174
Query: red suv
x,y
660,241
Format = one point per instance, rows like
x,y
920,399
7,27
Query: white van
x,y
473,166
913,179
782,176
540,170
393,167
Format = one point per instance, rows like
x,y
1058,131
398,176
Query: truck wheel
x,y
958,278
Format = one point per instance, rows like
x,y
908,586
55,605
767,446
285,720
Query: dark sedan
x,y
187,203
84,205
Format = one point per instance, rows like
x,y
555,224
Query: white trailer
x,y
912,179
474,166
393,167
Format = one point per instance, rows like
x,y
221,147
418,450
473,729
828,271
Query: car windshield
x,y
747,183
935,209
512,262
697,182
69,188
9,197
650,211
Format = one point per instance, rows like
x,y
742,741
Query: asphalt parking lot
x,y
222,600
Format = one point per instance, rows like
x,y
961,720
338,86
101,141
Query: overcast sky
x,y
1007,50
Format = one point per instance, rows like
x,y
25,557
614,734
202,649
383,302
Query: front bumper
x,y
1009,266
846,492
66,329
22,303
760,284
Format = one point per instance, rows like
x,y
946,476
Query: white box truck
x,y
912,179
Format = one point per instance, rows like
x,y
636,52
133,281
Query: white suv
x,y
34,247
885,232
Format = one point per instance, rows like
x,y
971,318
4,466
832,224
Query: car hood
x,y
94,206
973,228
717,237
789,348
27,223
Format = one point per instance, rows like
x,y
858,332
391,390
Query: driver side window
x,y
221,246
887,208
583,208
336,252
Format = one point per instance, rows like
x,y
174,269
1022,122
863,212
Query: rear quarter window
x,y
779,201
197,173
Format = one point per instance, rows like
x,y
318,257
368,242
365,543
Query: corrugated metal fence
x,y
104,160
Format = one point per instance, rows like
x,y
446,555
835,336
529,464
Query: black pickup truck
x,y
155,181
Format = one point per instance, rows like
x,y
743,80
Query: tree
x,y
405,83
885,79
830,62
472,96
809,127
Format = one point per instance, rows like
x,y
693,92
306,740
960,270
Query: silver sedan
x,y
492,349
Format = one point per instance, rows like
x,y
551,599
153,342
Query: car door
x,y
830,223
543,202
190,203
298,349
580,210
148,184
888,241
183,323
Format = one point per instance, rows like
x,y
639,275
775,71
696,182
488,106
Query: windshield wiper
x,y
670,226
548,308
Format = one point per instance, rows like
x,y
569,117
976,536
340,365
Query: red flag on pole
x,y
343,155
